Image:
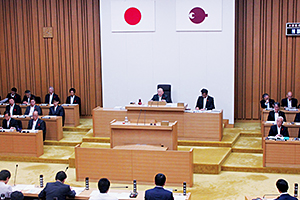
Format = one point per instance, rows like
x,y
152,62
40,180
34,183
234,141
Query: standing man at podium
x,y
160,96
205,102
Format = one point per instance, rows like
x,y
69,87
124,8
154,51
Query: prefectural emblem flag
x,y
199,15
132,15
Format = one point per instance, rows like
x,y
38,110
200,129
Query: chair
x,y
19,128
38,100
167,89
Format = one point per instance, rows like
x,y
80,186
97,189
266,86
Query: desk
x,y
271,196
132,133
22,144
191,125
281,153
292,128
54,130
290,115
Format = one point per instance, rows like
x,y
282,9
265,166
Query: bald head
x,y
160,92
289,95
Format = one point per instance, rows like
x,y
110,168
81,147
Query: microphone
x,y
87,186
120,186
41,181
15,178
66,169
139,117
134,193
184,188
296,190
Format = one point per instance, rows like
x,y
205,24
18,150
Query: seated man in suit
x,y
266,102
289,101
279,129
73,99
274,114
103,186
13,95
4,178
158,192
161,96
8,122
57,189
49,97
57,110
37,124
30,109
27,97
205,102
283,187
13,109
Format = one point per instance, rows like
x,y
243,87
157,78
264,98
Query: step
x,y
246,144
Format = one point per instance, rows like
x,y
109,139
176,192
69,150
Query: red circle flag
x,y
132,16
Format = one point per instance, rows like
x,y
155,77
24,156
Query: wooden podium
x,y
292,128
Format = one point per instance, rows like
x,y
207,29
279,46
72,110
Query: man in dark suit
x,y
57,110
274,114
27,97
283,187
57,189
73,99
161,96
279,129
30,109
37,124
13,95
12,108
50,96
266,102
205,102
158,192
9,122
289,101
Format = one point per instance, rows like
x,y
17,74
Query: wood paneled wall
x,y
70,59
265,59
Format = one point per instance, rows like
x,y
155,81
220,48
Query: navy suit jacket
x,y
209,103
158,193
40,125
77,100
163,97
36,108
17,97
57,189
271,116
285,104
16,111
26,99
286,197
12,123
283,131
60,111
263,105
47,97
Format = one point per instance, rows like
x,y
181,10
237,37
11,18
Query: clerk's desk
x,y
289,114
192,125
54,130
292,128
264,197
21,144
71,112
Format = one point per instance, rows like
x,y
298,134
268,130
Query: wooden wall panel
x,y
70,59
266,60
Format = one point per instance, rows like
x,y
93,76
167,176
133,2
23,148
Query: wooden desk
x,y
122,165
271,196
290,115
191,125
281,153
22,144
292,128
131,133
54,130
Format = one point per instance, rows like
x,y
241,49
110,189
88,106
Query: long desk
x,y
132,133
290,115
54,130
281,153
292,128
191,125
22,144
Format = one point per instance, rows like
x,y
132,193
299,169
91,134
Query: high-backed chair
x,y
37,99
167,89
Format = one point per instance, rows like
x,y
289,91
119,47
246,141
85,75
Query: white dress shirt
x,y
103,196
50,98
204,102
5,189
72,99
8,122
267,104
34,124
31,110
278,130
276,115
11,110
289,103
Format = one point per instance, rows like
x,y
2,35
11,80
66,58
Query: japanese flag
x,y
132,15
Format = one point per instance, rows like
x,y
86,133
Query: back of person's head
x,y
204,91
160,179
103,185
282,185
16,195
4,174
61,176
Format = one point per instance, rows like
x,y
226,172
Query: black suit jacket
x,y
283,131
13,123
26,99
60,111
57,189
297,117
17,97
285,104
77,100
40,125
271,103
163,97
36,108
16,111
158,193
286,197
47,97
209,103
271,116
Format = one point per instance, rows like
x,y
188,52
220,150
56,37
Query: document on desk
x,y
22,187
179,197
123,195
78,190
34,190
297,123
270,122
